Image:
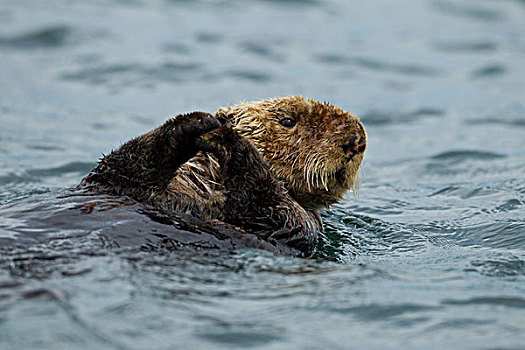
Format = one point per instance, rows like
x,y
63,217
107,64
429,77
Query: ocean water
x,y
430,254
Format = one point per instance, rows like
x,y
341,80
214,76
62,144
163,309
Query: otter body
x,y
265,167
252,175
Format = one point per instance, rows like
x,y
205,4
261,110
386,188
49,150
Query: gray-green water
x,y
430,256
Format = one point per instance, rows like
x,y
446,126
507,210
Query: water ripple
x,y
36,175
404,69
390,117
459,155
504,267
49,37
466,46
372,312
489,71
512,121
511,302
469,11
121,74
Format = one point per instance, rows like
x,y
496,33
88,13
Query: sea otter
x,y
262,168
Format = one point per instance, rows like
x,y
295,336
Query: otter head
x,y
313,147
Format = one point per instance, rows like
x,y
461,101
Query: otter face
x,y
313,147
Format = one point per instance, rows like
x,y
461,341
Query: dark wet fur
x,y
119,223
258,211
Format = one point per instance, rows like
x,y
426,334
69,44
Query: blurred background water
x,y
431,255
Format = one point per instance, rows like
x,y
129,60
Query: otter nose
x,y
356,144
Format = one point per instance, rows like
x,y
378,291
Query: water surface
x,y
431,253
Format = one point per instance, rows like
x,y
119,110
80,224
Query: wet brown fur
x,y
243,167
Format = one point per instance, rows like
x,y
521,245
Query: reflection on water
x,y
430,255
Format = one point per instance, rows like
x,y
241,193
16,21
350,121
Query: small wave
x,y
510,205
127,73
250,75
36,175
404,69
512,302
209,37
489,71
392,117
518,121
466,46
377,65
463,192
350,235
293,2
100,75
49,37
374,312
73,167
504,234
13,291
246,338
458,323
261,49
331,58
467,154
468,11
42,147
510,267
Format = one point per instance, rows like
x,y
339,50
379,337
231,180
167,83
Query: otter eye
x,y
287,123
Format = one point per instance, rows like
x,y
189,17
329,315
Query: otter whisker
x,y
307,169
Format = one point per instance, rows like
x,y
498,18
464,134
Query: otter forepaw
x,y
192,125
218,140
